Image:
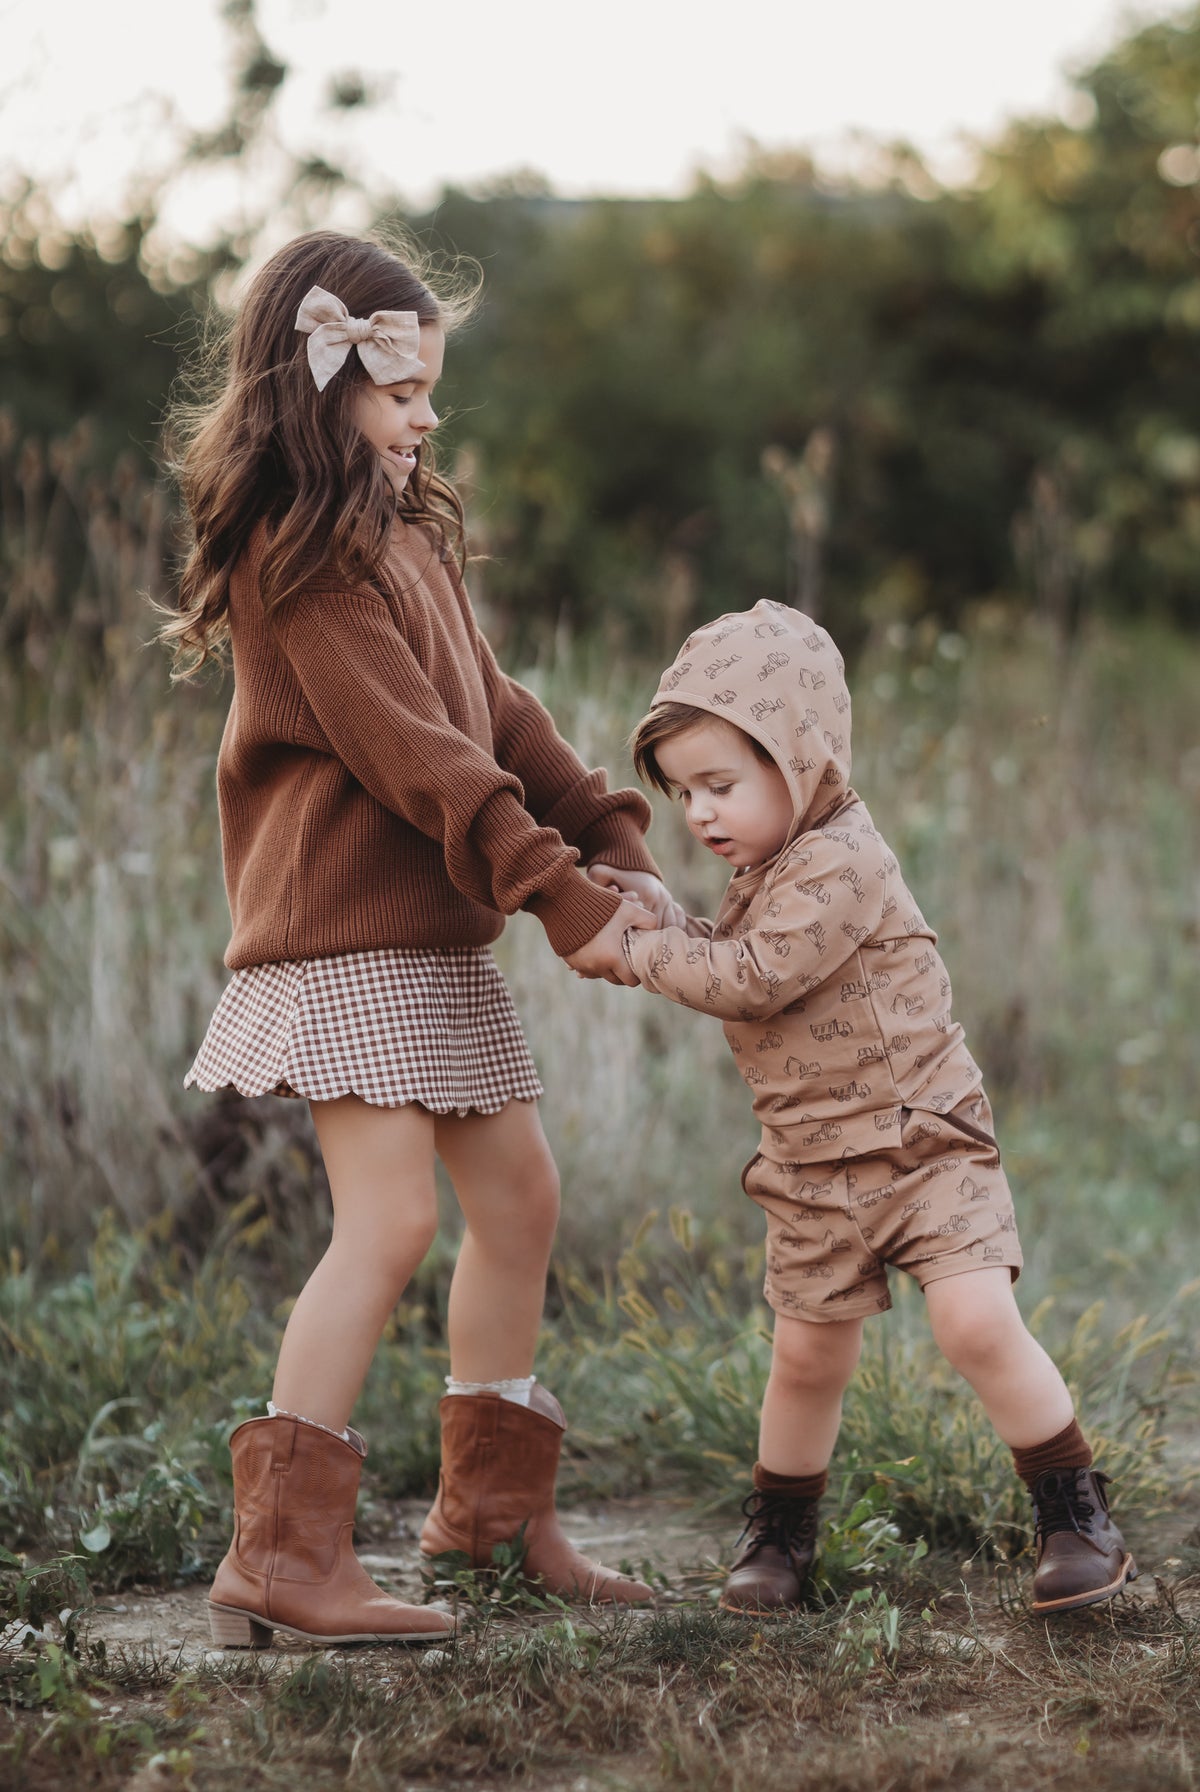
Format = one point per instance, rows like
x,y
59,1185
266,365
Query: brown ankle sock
x,y
798,1487
1069,1448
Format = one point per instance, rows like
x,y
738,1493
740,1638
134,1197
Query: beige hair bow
x,y
387,341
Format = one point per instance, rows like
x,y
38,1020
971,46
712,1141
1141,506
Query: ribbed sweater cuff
x,y
625,855
573,911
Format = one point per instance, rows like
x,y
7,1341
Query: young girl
x,y
387,796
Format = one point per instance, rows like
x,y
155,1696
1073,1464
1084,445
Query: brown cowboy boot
x,y
292,1564
1081,1555
499,1463
779,1546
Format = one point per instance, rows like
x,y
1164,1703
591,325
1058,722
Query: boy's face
x,y
735,803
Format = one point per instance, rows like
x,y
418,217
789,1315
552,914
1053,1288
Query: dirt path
x,y
668,1535
686,1549
982,1698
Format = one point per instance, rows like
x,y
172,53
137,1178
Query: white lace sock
x,y
517,1388
279,1412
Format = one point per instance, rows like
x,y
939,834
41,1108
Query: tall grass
x,y
1042,800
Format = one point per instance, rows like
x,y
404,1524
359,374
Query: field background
x,y
961,428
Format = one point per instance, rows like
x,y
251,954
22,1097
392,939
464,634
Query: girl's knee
x,y
390,1254
543,1195
504,1175
521,1232
520,1213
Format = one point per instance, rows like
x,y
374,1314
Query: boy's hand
x,y
645,888
603,955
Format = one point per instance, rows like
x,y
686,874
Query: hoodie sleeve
x,y
387,723
824,898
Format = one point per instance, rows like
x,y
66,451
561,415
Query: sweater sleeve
x,y
389,726
813,913
560,791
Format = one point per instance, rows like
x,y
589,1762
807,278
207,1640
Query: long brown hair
x,y
268,446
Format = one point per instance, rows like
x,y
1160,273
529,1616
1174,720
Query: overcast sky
x,y
627,97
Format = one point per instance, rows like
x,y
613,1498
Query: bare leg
x,y
500,1459
981,1333
811,1365
507,1186
380,1167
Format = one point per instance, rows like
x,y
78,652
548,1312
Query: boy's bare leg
x,y
801,1413
980,1332
1082,1558
380,1167
811,1365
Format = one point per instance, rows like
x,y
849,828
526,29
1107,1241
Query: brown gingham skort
x,y
399,1025
935,1207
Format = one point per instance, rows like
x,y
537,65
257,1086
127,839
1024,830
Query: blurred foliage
x,y
877,401
84,333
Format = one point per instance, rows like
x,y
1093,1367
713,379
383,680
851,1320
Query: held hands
x,y
643,887
602,955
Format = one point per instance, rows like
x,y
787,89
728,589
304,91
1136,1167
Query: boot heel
x,y
238,1630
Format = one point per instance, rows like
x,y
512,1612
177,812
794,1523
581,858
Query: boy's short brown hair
x,y
664,722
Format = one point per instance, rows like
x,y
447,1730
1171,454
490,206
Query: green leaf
x,y
98,1538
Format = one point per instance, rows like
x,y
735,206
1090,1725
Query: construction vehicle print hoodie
x,y
835,1002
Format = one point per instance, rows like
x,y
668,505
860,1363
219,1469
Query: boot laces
x,y
777,1521
1061,1502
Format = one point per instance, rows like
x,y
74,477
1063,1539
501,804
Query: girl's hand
x,y
603,955
645,888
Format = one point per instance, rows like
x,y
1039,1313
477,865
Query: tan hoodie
x,y
835,1001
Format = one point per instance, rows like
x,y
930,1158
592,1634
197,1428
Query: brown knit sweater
x,y
382,783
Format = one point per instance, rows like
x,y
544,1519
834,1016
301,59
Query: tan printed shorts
x,y
937,1206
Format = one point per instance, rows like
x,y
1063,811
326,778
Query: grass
x,y
887,1692
1041,805
1041,801
124,1380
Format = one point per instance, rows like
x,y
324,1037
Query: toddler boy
x,y
877,1145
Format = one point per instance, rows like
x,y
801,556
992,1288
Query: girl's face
x,y
396,419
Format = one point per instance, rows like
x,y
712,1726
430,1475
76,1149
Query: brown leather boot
x,y
1081,1555
292,1561
779,1546
499,1463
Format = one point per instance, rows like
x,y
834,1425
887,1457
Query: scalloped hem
x,y
432,1105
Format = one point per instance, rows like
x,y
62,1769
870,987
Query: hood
x,y
776,674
